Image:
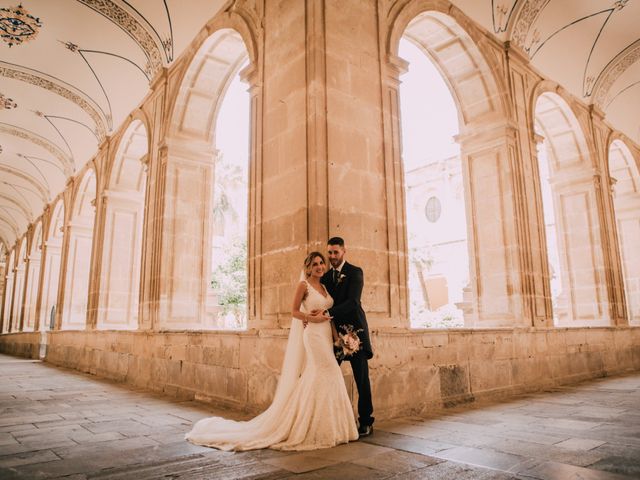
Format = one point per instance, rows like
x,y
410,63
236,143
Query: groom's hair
x,y
336,241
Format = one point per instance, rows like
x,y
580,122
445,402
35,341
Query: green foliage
x,y
230,280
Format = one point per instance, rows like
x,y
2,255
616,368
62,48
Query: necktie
x,y
335,276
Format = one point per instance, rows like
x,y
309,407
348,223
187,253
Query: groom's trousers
x,y
360,367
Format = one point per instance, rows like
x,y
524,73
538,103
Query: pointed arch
x,y
123,206
80,250
570,206
192,156
625,180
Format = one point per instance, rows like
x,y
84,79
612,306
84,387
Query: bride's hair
x,y
309,260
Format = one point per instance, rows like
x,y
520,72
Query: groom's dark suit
x,y
346,291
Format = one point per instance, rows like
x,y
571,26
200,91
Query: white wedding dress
x,y
311,407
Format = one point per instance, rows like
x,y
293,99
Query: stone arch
x,y
203,86
123,205
625,181
52,248
469,63
571,211
191,158
459,51
80,242
8,296
33,278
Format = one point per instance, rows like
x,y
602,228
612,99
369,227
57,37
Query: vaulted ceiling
x,y
72,70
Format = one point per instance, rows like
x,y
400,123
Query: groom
x,y
344,283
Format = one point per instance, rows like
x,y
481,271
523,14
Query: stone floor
x,y
57,423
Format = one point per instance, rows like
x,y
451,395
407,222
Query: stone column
x,y
154,108
612,260
578,215
18,294
495,228
47,298
4,279
251,76
77,277
119,259
64,254
32,287
394,191
188,180
533,250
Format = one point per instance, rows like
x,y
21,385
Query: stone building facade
x,y
112,277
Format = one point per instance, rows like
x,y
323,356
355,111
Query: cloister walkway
x,y
57,423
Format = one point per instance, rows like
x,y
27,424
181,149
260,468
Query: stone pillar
x,y
394,190
612,261
119,258
288,106
32,288
3,288
535,269
578,215
495,228
188,180
48,295
251,75
358,176
154,108
18,293
76,281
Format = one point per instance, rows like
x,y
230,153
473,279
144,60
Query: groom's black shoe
x,y
365,430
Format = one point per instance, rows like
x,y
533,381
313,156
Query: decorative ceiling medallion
x,y
7,103
17,25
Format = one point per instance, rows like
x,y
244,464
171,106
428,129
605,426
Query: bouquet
x,y
347,343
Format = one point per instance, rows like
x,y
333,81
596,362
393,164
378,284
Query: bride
x,y
311,408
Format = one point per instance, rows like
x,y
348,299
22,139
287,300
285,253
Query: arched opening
x,y
18,296
434,194
209,159
570,214
459,273
227,292
80,231
51,259
6,321
626,200
33,279
122,248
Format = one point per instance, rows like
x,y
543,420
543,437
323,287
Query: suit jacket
x,y
347,309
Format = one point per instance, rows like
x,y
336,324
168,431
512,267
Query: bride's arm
x,y
297,301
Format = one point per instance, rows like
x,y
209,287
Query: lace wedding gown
x,y
310,409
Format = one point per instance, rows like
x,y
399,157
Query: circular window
x,y
433,209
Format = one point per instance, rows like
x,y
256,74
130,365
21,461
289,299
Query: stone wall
x,y
412,372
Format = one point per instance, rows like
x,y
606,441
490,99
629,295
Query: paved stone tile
x,y
406,443
56,423
342,471
27,458
397,461
451,471
626,465
560,471
300,463
351,451
536,451
482,458
579,444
